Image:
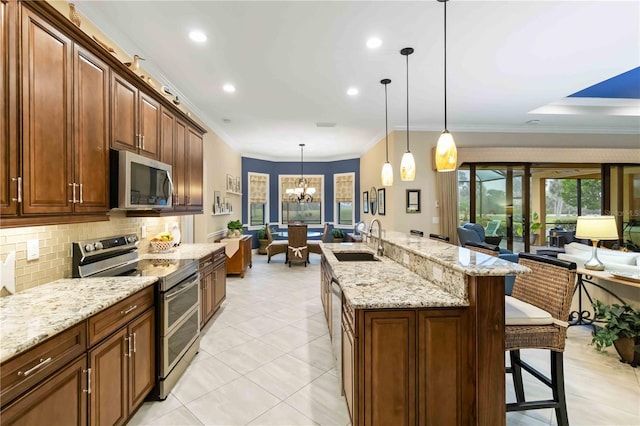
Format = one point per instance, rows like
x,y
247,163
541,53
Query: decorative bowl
x,y
161,246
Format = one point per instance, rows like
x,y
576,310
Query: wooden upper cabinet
x,y
135,119
46,108
91,143
124,113
8,143
167,136
149,126
179,169
195,171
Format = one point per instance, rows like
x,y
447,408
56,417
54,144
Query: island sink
x,y
355,257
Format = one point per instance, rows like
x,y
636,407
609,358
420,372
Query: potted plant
x,y
622,330
262,239
338,235
235,228
534,227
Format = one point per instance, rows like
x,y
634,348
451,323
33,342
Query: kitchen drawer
x,y
106,322
205,262
348,315
29,368
219,257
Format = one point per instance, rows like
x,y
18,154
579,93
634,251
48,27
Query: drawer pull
x,y
131,308
88,390
207,264
42,363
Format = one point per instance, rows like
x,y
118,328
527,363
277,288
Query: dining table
x,y
310,234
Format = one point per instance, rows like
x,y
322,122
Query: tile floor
x,y
265,359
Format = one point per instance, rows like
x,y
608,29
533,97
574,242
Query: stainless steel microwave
x,y
139,182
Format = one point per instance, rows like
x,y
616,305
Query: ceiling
x,y
509,62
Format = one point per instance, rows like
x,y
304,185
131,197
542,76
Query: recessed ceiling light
x,y
197,36
352,91
229,88
374,43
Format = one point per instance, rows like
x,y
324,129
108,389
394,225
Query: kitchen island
x,y
421,331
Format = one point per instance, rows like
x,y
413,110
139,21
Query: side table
x,y
241,259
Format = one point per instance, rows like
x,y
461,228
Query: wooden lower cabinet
x,y
213,284
60,400
122,371
408,366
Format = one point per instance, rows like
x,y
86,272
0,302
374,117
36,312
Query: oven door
x,y
178,302
176,343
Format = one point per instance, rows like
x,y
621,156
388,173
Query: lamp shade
x,y
407,167
597,228
387,174
446,153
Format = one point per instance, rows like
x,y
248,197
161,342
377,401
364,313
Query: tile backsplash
x,y
55,244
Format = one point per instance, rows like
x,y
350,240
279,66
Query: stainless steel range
x,y
177,298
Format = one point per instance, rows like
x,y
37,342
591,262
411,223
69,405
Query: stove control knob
x,y
98,246
88,247
132,239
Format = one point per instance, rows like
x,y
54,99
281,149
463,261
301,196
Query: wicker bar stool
x,y
536,318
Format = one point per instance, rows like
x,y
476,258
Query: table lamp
x,y
596,228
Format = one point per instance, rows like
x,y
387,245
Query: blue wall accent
x,y
625,85
275,168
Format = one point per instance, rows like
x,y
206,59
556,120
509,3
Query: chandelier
x,y
302,193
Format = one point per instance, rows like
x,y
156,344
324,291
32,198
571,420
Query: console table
x,y
241,259
586,276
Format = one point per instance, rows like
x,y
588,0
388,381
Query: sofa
x,y
613,260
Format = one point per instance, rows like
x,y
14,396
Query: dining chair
x,y
314,245
536,318
275,246
297,250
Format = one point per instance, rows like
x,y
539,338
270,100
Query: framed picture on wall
x,y
237,184
217,202
381,202
413,201
229,183
365,202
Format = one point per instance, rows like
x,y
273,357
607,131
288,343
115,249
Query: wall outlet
x,y
435,219
405,258
33,249
143,231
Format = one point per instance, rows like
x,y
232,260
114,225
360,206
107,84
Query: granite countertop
x,y
385,283
186,251
24,323
451,256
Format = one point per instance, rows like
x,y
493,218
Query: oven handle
x,y
172,294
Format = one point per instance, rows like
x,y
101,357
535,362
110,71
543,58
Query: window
x,y
258,199
309,212
344,213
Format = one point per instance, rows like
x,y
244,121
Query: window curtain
x,y
447,192
344,188
258,189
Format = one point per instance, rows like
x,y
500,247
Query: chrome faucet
x,y
380,250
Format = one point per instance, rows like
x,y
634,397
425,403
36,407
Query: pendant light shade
x,y
408,163
387,170
446,152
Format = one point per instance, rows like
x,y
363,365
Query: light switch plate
x,y
33,249
437,273
143,232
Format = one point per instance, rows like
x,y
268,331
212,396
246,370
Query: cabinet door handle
x,y
137,141
88,390
73,186
131,308
19,181
41,364
128,341
134,343
142,142
81,200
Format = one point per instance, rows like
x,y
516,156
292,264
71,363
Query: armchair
x,y
472,232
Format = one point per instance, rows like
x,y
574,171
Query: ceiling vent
x,y
325,124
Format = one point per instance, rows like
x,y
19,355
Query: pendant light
x,y
302,193
408,164
387,170
446,152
